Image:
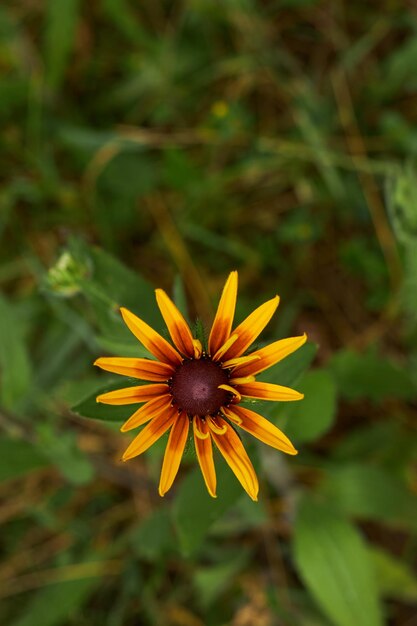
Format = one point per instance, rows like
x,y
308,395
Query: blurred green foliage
x,y
165,144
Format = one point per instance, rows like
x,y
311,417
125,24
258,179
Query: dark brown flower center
x,y
195,387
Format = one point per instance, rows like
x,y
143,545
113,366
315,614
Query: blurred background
x,y
161,144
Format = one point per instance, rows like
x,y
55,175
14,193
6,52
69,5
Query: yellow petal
x,y
177,326
173,453
198,348
137,368
200,428
240,360
231,390
225,347
268,356
242,380
204,452
131,395
260,428
236,457
268,391
152,340
151,433
146,412
223,320
213,424
251,327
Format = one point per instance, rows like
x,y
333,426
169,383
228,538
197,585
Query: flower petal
x,y
242,380
173,453
147,412
151,433
231,390
251,327
260,428
236,457
223,320
131,395
269,391
177,326
240,360
214,426
204,452
268,356
152,340
225,347
198,348
137,368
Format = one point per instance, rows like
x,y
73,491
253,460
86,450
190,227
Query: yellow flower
x,y
190,386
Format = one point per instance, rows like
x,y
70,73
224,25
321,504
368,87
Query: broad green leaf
x,y
155,537
394,577
370,375
15,366
61,19
314,415
180,296
63,450
212,581
334,563
18,457
118,348
124,286
371,492
107,412
195,511
55,604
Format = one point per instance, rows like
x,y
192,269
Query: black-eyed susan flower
x,y
202,388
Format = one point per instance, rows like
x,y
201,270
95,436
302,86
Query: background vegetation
x,y
160,143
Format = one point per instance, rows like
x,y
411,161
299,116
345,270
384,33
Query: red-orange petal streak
x,y
250,328
131,395
173,453
177,326
236,457
152,340
271,354
220,330
204,452
146,412
260,428
144,369
269,391
151,433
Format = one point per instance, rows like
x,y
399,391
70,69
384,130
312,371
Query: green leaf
x,y
314,415
15,367
371,492
53,604
334,563
63,450
125,286
180,296
370,375
195,511
18,457
395,578
61,18
213,581
106,412
155,538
